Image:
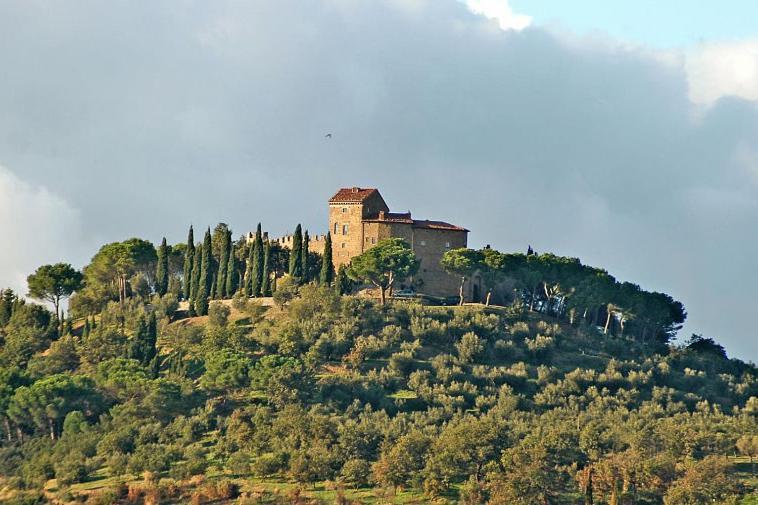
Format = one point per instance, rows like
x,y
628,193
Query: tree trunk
x,y
8,432
588,500
607,322
383,292
487,301
51,425
460,291
57,303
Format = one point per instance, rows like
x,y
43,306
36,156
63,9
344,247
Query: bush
x,y
356,472
286,291
270,464
469,347
71,469
151,458
225,369
218,315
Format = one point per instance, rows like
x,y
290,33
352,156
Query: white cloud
x,y
500,11
37,227
152,116
716,70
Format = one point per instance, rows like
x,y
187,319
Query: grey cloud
x,y
148,116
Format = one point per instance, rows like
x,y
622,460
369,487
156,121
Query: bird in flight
x,y
328,136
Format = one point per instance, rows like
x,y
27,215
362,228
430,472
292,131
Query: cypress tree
x,y
94,323
189,258
257,268
135,349
195,279
220,289
205,278
296,254
266,285
304,261
327,267
248,280
152,337
231,272
86,329
161,273
343,281
142,345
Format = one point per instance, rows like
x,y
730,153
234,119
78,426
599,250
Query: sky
x,y
625,136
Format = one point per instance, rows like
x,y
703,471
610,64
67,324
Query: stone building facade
x,y
359,218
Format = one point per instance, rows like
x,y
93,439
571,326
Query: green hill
x,y
316,397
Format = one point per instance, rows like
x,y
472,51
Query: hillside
x,y
338,399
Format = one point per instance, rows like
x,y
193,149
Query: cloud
x,y
720,69
147,117
500,11
37,227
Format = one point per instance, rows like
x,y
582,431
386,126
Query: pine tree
x,y
257,268
220,290
296,254
231,272
304,261
189,258
161,272
266,285
205,278
327,267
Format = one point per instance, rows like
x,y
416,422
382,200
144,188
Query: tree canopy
x,y
390,260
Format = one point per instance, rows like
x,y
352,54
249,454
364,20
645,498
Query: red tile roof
x,y
436,225
358,195
416,223
352,195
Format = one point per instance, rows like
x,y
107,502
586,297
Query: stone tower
x,y
347,211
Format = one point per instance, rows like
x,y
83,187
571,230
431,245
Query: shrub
x,y
218,315
71,469
270,464
469,347
225,369
401,363
520,329
356,472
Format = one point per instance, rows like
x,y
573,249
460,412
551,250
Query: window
x,y
373,240
344,210
344,229
422,243
335,228
343,245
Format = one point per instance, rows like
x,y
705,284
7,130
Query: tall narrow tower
x,y
347,210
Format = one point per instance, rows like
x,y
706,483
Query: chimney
x,y
381,215
355,189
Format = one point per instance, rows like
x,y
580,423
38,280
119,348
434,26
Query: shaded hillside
x,y
339,399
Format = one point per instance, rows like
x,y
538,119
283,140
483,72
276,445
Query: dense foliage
x,y
342,398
